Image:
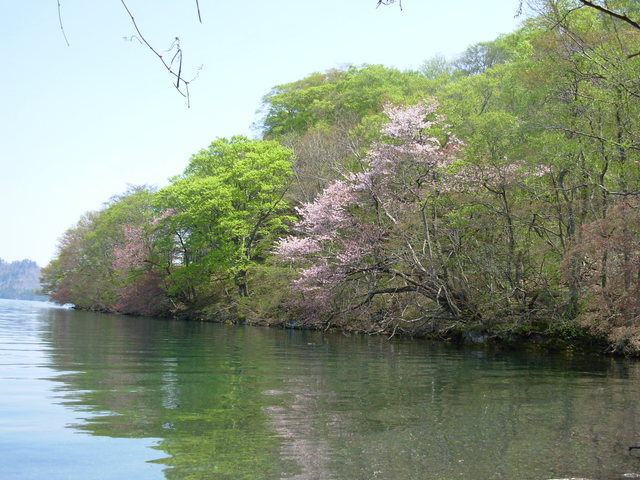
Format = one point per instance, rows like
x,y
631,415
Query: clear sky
x,y
79,123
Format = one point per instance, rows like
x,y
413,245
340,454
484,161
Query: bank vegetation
x,y
494,196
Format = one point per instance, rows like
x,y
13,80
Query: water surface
x,y
96,396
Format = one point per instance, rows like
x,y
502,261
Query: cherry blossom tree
x,y
399,225
142,278
375,228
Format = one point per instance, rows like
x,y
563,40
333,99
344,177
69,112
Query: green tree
x,y
221,215
337,97
330,119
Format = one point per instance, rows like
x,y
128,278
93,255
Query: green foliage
x,y
337,97
298,106
225,210
550,120
83,272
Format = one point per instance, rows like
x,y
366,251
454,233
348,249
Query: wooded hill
x,y
497,193
20,280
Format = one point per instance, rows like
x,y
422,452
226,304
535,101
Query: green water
x,y
95,396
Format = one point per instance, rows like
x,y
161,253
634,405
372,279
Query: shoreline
x,y
559,337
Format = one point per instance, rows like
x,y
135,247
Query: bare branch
x,y
132,38
619,16
389,2
595,137
61,26
623,194
198,7
178,54
373,293
182,89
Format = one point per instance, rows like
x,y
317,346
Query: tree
x,y
625,12
85,271
336,97
221,214
329,119
375,232
609,273
402,226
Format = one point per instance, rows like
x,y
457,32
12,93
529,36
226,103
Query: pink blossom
x,y
323,216
169,212
408,123
297,248
354,248
133,251
343,230
316,277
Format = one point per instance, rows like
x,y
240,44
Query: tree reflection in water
x,y
253,403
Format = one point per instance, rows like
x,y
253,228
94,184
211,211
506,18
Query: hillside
x,y
20,280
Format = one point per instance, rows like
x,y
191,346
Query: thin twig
x,y
167,66
389,2
198,7
179,70
622,194
178,54
62,26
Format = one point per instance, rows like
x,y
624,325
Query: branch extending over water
x,y
168,66
182,89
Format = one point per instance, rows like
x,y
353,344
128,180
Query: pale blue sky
x,y
80,122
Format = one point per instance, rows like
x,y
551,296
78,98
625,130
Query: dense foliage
x,y
495,193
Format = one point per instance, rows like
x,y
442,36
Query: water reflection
x,y
139,378
236,403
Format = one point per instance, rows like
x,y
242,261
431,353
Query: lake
x,y
99,396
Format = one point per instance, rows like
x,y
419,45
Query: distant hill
x,y
20,280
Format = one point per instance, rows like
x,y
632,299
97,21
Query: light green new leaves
x,y
226,207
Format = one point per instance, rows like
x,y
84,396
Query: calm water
x,y
94,396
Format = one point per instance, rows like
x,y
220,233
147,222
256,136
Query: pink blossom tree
x,y
420,220
142,277
377,228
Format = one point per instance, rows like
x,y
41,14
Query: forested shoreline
x,y
494,196
20,280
